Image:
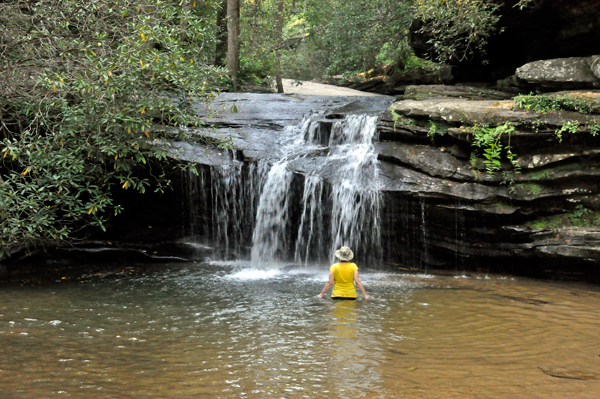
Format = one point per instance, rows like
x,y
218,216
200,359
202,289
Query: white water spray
x,y
351,209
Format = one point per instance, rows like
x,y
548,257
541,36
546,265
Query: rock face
x,y
543,218
439,207
562,73
395,80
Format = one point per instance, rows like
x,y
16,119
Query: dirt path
x,y
289,86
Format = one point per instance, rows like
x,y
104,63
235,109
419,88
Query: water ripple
x,y
225,330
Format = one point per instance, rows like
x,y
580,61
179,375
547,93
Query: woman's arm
x,y
359,285
328,285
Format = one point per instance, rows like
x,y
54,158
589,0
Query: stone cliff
x,y
545,217
537,214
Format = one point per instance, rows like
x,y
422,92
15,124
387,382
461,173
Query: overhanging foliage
x,y
82,85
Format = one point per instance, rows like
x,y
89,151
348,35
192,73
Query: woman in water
x,y
343,276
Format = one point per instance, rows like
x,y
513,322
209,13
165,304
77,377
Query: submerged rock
x,y
562,372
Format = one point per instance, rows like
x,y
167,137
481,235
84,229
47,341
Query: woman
x,y
343,276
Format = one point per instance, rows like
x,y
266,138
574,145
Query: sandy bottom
x,y
290,86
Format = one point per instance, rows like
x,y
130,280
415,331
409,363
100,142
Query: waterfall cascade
x,y
284,215
222,205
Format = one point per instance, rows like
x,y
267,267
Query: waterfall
x,y
311,229
351,209
222,206
424,231
321,192
355,193
269,238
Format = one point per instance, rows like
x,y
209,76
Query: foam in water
x,y
254,274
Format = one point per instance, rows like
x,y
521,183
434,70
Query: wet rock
x,y
439,208
546,156
451,212
406,180
568,242
457,112
203,155
391,127
558,183
428,159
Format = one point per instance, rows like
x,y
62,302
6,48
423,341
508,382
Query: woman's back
x,y
343,274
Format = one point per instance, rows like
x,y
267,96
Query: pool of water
x,y
224,330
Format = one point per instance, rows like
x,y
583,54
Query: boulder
x,y
595,66
574,72
396,82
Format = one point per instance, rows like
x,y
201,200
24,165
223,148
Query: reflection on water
x,y
224,330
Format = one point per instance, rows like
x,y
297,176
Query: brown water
x,y
223,331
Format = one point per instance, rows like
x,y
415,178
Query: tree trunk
x,y
187,6
233,32
221,48
279,28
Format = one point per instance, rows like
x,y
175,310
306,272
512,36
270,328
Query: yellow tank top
x,y
343,276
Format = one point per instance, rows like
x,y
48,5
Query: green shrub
x,y
488,140
458,29
83,87
548,103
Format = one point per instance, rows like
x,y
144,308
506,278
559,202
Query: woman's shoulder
x,y
345,264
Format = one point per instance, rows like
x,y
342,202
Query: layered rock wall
x,y
545,217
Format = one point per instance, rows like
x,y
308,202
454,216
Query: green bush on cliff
x,y
575,102
549,103
82,86
489,142
578,217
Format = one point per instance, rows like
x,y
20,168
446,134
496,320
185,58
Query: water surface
x,y
224,330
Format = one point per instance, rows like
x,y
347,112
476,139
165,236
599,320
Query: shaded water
x,y
223,330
